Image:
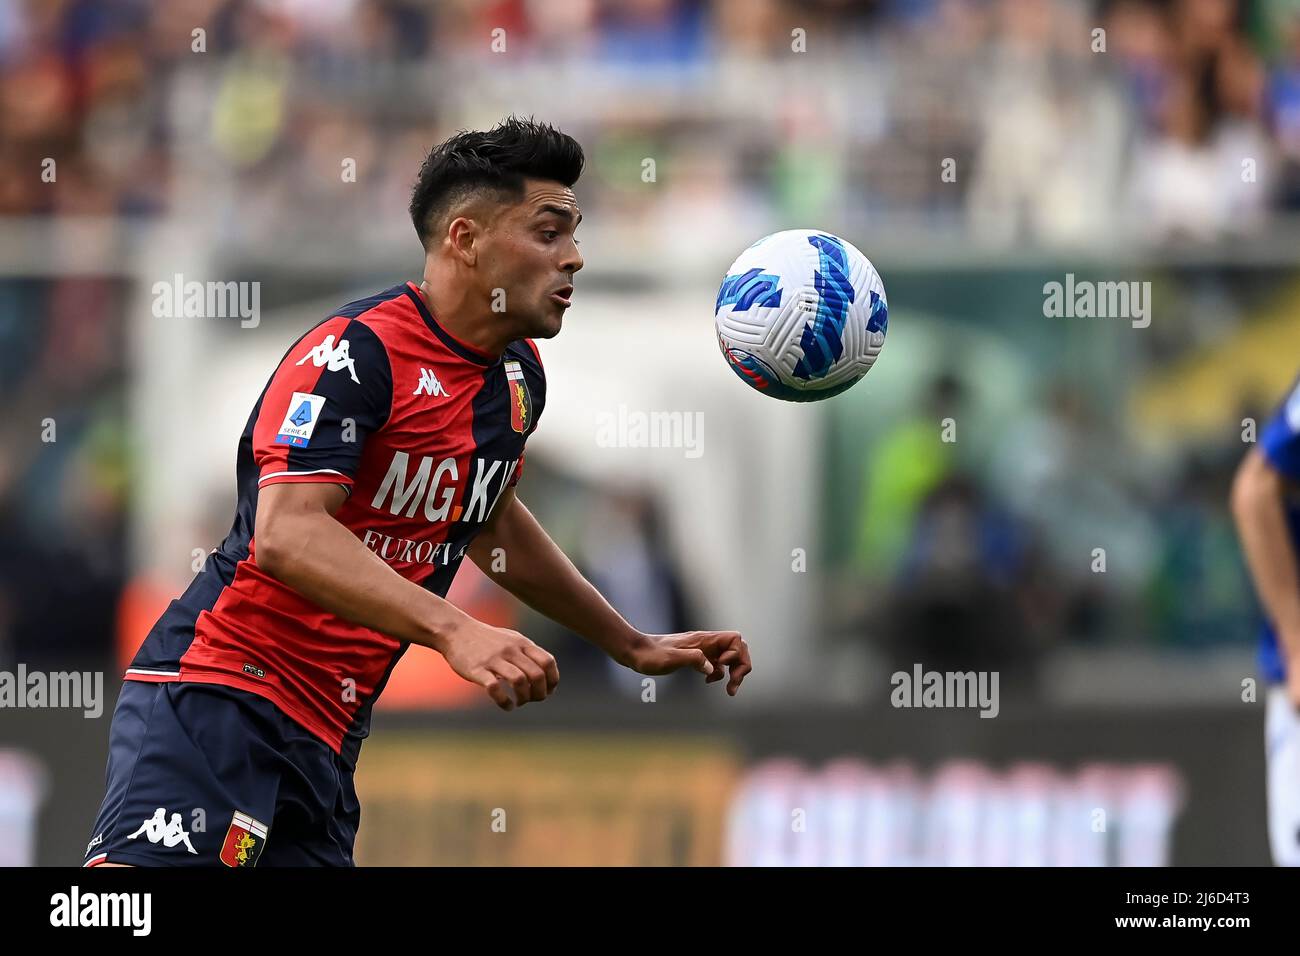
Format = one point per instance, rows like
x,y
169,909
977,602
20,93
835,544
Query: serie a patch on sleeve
x,y
300,420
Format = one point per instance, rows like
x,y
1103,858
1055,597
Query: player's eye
x,y
550,234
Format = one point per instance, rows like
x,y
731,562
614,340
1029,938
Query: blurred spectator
x,y
1284,114
622,553
1200,587
64,476
958,602
1206,168
903,467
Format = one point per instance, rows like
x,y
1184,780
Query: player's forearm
x,y
519,555
1261,523
327,564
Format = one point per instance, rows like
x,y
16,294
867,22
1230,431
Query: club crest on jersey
x,y
300,420
521,402
332,357
244,841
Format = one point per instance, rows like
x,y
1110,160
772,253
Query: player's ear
x,y
463,235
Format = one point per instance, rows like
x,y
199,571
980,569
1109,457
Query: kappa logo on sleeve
x,y
333,357
300,420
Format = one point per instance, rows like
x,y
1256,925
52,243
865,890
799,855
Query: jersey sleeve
x,y
332,389
1280,438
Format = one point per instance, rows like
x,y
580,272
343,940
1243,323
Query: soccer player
x,y
1266,507
386,446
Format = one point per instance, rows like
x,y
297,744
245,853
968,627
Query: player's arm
x,y
301,544
541,575
1257,507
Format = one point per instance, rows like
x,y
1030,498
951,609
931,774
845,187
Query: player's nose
x,y
572,261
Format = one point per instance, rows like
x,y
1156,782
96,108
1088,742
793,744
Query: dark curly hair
x,y
495,162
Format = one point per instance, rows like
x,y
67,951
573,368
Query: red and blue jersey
x,y
1279,440
424,431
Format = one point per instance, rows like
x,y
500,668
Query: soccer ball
x,y
801,315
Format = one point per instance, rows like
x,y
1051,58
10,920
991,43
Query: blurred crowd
x,y
1163,118
1061,532
65,470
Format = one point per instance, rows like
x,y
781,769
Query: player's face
x,y
531,254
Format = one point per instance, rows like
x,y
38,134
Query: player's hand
x,y
708,652
502,661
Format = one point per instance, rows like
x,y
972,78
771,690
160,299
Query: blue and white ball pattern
x,y
801,315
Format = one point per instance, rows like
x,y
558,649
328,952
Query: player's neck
x,y
464,320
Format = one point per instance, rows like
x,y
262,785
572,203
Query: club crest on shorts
x,y
244,841
521,402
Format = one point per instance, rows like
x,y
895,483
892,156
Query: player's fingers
x,y
716,642
719,669
515,679
549,667
707,641
728,647
538,686
496,688
738,672
742,665
520,680
698,660
742,649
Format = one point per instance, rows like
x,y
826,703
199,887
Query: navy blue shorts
x,y
205,775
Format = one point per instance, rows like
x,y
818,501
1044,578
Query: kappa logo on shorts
x,y
244,841
160,830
